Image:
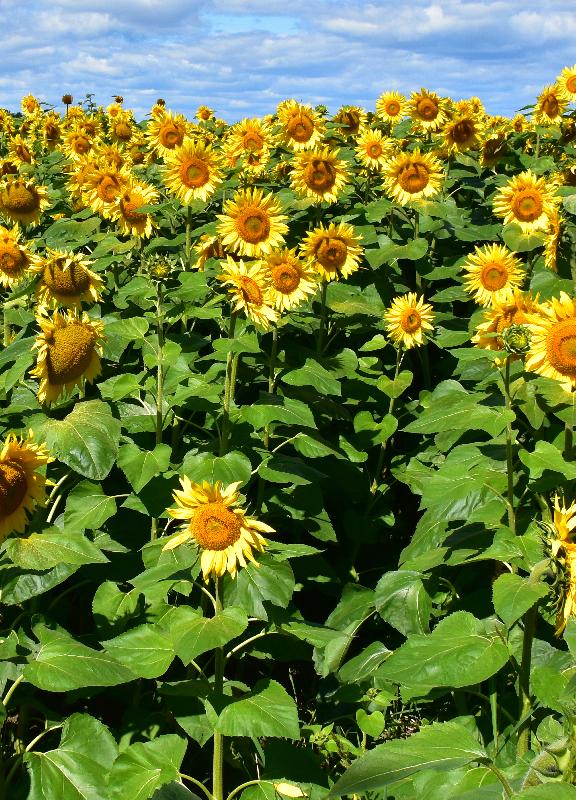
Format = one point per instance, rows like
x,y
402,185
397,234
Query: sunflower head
x,y
166,132
491,272
291,281
333,251
514,309
319,174
372,149
192,171
302,127
21,200
249,289
408,319
526,200
410,177
66,279
126,209
15,258
553,344
391,107
550,106
350,120
252,223
428,111
566,82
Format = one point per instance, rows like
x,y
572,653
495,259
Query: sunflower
x,y
550,106
372,149
249,288
20,151
491,271
319,174
302,127
225,536
125,210
249,135
408,319
350,119
252,223
66,279
14,258
203,113
566,82
563,550
391,107
552,241
102,185
526,200
409,177
191,171
76,143
121,128
30,105
166,132
493,148
110,155
51,130
21,200
553,344
291,280
21,486
69,349
462,133
514,308
208,247
428,110
334,252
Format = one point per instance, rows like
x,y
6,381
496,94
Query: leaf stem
x,y
242,786
501,777
196,783
11,690
159,386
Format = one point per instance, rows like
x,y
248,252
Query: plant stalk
x,y
218,756
525,704
383,446
159,386
229,388
322,328
509,451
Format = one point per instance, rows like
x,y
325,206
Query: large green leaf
x,y
267,711
88,507
402,600
205,633
313,374
547,457
267,580
514,595
230,468
53,547
271,408
140,466
144,767
441,746
146,650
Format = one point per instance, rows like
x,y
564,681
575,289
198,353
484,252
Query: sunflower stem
x,y
6,337
569,434
218,757
322,328
196,783
382,454
272,391
525,704
229,388
188,235
159,386
509,450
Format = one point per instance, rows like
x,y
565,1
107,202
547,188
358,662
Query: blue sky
x,y
242,57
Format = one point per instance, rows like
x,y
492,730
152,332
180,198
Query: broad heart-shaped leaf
x,y
267,711
458,410
230,468
144,767
440,746
547,457
88,507
62,664
86,440
146,650
140,466
313,374
54,546
402,600
271,408
18,585
267,580
548,791
513,596
78,768
460,651
203,634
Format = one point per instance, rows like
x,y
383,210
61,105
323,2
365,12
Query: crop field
x,y
287,456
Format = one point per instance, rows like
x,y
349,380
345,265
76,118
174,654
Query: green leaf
x,y
87,507
288,469
268,580
17,585
458,639
203,634
548,791
271,408
362,666
441,746
313,374
267,711
140,466
547,457
86,440
454,409
146,650
520,242
513,596
232,467
62,664
144,767
394,387
370,724
53,547
402,600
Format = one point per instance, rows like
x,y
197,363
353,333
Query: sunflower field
x,y
287,456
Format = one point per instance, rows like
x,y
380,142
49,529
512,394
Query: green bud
x,y
516,339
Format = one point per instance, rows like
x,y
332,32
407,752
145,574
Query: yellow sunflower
x,y
252,223
21,485
122,129
334,252
69,349
166,132
21,200
110,155
550,106
14,257
494,146
552,241
291,280
66,279
514,308
462,132
428,110
76,143
30,105
319,174
203,113
249,289
51,130
566,82
207,247
553,343
491,271
249,135
391,107
563,547
408,319
350,119
409,177
20,151
125,209
302,127
102,185
224,535
191,171
372,149
526,200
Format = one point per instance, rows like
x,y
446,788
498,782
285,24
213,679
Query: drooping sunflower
x,y
291,280
225,536
302,127
553,343
491,271
526,200
249,289
334,252
428,110
30,105
102,185
350,119
252,223
494,146
21,151
66,279
125,209
566,82
391,107
319,174
166,132
372,149
121,128
408,319
409,177
15,258
550,106
515,308
21,200
69,348
21,485
191,171
51,130
462,132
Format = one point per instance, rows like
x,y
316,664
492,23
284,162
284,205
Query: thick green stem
x,y
271,390
502,778
322,328
229,388
218,757
159,386
569,434
6,338
493,689
525,704
509,451
188,250
382,453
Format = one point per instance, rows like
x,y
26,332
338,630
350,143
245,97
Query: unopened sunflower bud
x,y
516,339
160,267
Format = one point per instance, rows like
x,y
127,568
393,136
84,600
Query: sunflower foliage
x,y
287,455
